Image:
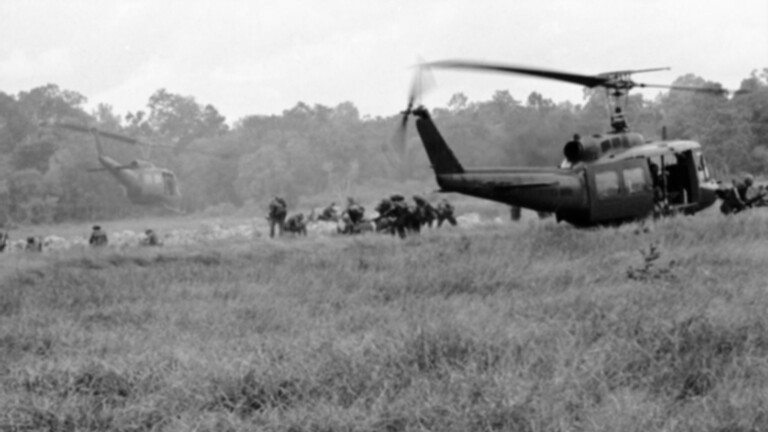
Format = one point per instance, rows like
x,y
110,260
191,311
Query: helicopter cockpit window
x,y
634,179
702,169
607,184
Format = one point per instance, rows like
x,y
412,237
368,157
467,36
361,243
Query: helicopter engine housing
x,y
578,151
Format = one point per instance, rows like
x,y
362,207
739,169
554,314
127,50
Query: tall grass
x,y
524,327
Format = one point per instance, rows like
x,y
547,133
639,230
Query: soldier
x,y
747,192
425,213
150,238
355,211
295,224
278,209
732,202
400,215
329,213
445,213
351,217
34,244
385,220
98,237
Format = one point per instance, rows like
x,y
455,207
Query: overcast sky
x,y
261,57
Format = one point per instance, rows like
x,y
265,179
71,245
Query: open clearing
x,y
515,327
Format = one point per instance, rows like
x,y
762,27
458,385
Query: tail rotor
x,y
422,81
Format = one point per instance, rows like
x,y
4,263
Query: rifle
x,y
748,203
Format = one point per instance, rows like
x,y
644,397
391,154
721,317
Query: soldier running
x,y
425,213
445,213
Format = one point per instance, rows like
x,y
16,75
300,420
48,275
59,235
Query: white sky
x,y
261,57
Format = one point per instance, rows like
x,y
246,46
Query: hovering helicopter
x,y
605,179
143,182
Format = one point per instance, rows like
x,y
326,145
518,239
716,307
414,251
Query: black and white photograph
x,y
392,216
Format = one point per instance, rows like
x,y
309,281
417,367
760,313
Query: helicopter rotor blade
x,y
630,72
712,90
86,129
420,82
585,80
617,80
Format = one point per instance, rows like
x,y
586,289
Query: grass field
x,y
520,327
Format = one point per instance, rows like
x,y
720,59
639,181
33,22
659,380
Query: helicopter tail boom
x,y
440,155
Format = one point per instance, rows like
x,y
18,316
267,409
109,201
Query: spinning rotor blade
x,y
85,129
714,90
630,72
421,82
119,167
618,80
585,80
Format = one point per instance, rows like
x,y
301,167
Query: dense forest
x,y
308,150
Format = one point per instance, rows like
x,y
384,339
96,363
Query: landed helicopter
x,y
605,179
143,182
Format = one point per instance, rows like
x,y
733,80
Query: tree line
x,y
315,149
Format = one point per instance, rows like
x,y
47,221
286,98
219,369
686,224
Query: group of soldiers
x,y
97,238
741,195
394,216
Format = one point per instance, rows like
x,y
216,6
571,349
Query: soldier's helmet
x,y
419,199
396,198
748,180
96,228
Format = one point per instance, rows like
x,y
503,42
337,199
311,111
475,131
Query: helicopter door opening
x,y
678,178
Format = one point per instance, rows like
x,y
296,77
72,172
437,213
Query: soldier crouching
x,y
296,224
445,213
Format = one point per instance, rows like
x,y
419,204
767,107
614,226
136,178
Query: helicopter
x,y
143,182
605,179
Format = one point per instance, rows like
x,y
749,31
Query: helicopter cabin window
x,y
152,178
634,179
607,184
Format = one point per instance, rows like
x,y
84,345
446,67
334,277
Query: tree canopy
x,y
310,149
